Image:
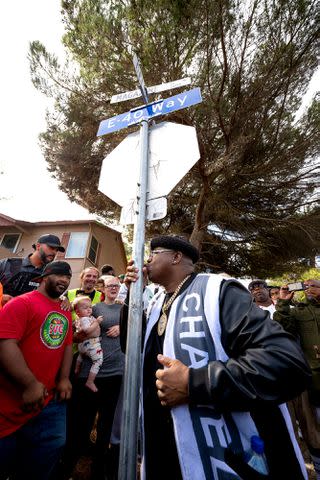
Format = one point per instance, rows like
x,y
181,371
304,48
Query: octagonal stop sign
x,y
173,150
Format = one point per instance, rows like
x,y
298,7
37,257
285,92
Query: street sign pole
x,y
132,377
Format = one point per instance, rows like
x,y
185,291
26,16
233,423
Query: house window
x,y
10,241
77,245
93,250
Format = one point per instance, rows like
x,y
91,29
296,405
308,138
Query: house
x,y
87,243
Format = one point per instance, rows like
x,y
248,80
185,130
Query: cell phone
x,y
295,287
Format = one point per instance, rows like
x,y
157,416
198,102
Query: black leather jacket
x,y
266,368
266,363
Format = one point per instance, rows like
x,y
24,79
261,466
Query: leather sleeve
x,y
266,364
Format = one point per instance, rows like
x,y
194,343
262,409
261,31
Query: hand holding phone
x,y
296,287
285,293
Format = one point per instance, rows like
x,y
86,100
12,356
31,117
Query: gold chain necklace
x,y
163,320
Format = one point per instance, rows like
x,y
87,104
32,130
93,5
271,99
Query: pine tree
x,y
251,203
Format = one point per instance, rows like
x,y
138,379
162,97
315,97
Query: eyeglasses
x,y
155,252
114,285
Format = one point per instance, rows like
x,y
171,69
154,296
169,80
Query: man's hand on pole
x,y
132,274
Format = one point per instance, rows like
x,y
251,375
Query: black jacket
x,y
266,368
266,363
17,275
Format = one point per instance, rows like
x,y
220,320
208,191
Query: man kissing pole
x,y
215,370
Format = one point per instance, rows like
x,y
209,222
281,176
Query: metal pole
x,y
132,377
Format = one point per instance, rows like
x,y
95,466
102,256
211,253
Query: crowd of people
x,y
75,333
221,365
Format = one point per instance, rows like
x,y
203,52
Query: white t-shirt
x,y
271,309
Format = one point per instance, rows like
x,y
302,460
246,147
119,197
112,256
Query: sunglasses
x,y
155,252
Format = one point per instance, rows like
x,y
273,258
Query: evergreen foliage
x,y
251,203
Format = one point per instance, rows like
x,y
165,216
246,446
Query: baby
x,y
91,347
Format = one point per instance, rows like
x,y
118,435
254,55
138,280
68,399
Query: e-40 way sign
x,y
162,107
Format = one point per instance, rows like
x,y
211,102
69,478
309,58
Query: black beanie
x,y
177,243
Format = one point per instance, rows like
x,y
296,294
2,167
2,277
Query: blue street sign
x,y
171,104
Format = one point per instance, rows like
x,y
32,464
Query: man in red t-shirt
x,y
35,360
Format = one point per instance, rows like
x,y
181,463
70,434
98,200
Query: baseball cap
x,y
177,243
57,267
256,283
51,240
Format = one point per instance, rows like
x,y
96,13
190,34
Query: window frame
x,y
85,246
16,244
92,249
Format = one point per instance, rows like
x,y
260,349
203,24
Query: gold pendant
x,y
162,323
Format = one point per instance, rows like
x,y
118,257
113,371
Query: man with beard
x,y
17,275
260,293
216,370
35,360
88,281
303,321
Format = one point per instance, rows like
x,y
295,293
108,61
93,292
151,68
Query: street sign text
x,y
171,104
